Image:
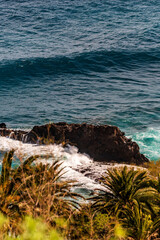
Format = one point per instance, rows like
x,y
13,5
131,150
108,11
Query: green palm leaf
x,y
123,187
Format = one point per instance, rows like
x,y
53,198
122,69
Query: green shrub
x,y
32,229
87,224
123,188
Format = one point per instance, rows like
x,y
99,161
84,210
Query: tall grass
x,y
128,208
35,189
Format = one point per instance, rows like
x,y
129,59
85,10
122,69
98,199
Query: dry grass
x,y
38,189
35,189
153,168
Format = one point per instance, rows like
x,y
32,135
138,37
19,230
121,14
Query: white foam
x,y
149,142
78,167
72,160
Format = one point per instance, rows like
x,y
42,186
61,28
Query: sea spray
x,y
78,167
73,162
149,142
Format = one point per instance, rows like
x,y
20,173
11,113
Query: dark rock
x,y
2,125
14,134
102,143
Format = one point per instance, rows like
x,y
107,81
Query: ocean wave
x,y
76,166
149,141
88,62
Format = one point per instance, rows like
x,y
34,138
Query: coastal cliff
x,y
103,143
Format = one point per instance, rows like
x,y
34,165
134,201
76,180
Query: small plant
x,y
32,229
87,224
123,188
138,224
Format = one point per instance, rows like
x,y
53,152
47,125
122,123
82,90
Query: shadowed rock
x,y
102,143
14,134
2,125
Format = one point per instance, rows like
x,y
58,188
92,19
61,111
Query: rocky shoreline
x,y
103,143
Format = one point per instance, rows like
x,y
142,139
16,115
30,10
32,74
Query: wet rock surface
x,y
103,143
14,134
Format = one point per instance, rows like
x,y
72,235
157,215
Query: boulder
x,y
14,134
2,125
102,143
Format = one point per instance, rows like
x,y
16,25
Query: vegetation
x,y
125,188
37,203
35,190
32,230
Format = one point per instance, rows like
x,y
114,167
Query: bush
x,y
36,190
32,229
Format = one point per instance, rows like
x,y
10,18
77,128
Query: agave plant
x,y
123,187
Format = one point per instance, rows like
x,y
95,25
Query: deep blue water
x,y
82,61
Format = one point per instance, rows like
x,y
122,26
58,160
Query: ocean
x,y
82,61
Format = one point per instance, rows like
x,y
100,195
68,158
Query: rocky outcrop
x,y
14,134
2,125
102,143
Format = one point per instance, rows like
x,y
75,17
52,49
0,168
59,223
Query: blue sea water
x,y
82,61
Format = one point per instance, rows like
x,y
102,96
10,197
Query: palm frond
x,y
123,187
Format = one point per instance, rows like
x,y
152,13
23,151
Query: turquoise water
x,y
82,61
